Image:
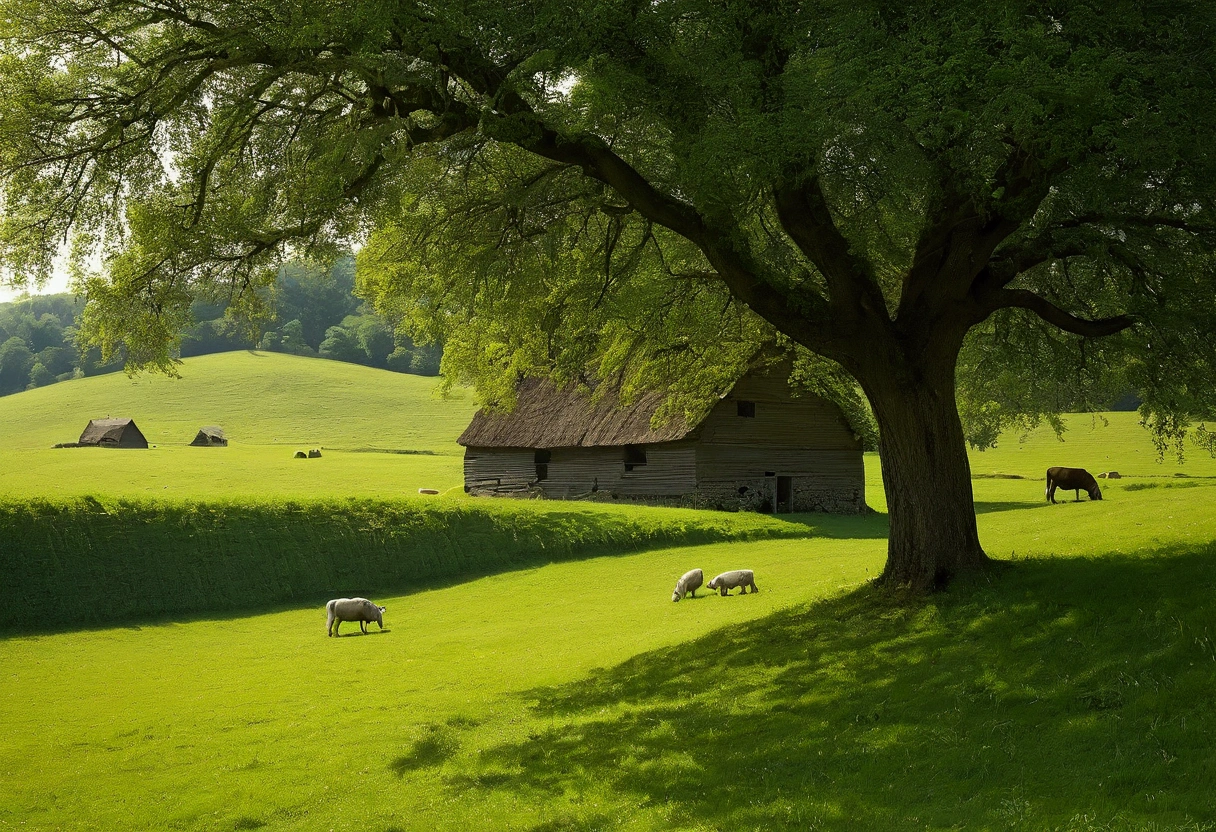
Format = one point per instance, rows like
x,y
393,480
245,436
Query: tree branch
x,y
807,313
1004,270
1054,315
955,249
806,218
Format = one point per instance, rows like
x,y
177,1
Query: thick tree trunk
x,y
927,477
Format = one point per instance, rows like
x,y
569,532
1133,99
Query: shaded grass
x,y
1055,693
1065,694
1070,690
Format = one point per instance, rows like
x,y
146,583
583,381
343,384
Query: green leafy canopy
x,y
657,192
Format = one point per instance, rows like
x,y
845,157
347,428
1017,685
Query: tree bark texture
x,y
926,476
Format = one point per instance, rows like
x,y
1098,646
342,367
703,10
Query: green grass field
x,y
1069,690
269,404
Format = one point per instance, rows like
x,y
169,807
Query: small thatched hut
x,y
113,433
210,437
758,448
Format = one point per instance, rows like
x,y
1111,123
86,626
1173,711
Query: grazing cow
x,y
1078,479
352,609
688,584
727,581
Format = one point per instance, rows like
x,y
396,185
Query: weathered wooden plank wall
x,y
487,470
727,462
670,470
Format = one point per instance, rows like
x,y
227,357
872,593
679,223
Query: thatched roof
x,y
116,432
210,435
546,417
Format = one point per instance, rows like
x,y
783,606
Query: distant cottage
x,y
759,448
113,433
210,437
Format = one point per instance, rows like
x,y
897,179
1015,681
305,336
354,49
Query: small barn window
x,y
541,458
746,409
635,455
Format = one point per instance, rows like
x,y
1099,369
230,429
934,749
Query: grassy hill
x,y
272,404
534,674
269,404
1015,468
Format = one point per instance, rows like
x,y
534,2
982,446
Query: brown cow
x,y
1078,479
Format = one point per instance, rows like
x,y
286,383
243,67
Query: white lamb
x,y
727,581
352,609
688,584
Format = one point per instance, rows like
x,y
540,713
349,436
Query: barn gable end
x,y
210,436
113,433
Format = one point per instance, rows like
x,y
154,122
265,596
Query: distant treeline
x,y
316,314
38,344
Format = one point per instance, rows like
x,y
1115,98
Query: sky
x,y
58,283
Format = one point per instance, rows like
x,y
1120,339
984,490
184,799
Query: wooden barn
x,y
113,433
759,448
210,436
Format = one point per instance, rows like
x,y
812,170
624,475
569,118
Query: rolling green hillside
x,y
259,398
1096,441
533,673
272,404
268,403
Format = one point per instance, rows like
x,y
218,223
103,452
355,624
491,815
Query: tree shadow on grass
x,y
870,526
992,506
1059,694
437,744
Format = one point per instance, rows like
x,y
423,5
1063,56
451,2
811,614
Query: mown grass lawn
x,y
1070,689
200,724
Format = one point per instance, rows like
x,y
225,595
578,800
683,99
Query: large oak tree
x,y
999,204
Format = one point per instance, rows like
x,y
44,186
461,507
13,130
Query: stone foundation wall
x,y
808,497
741,495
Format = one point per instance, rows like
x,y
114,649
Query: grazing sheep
x,y
727,581
1072,479
352,609
688,584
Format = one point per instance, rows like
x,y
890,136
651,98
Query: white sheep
x,y
352,609
727,581
688,584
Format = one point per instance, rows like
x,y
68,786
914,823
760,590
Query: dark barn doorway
x,y
785,495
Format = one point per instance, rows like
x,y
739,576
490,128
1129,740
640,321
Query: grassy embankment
x,y
1071,690
270,405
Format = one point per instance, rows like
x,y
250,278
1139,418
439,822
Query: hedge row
x,y
85,562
